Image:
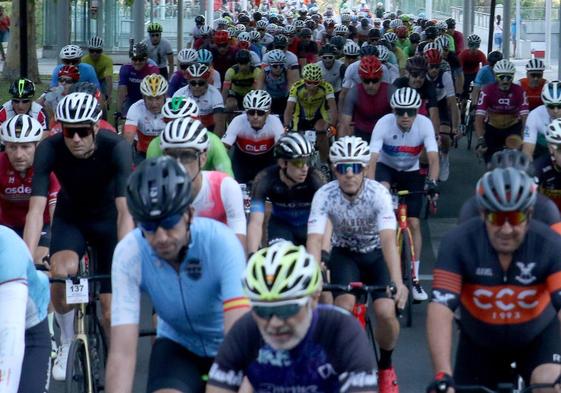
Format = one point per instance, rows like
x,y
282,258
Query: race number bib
x,y
77,293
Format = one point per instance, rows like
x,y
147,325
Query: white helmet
x,y
551,93
245,36
553,132
78,108
205,30
179,106
187,56
276,56
70,52
154,85
261,24
341,29
289,29
383,53
184,133
198,70
351,48
95,43
21,129
504,67
350,149
394,24
405,97
257,99
535,65
240,28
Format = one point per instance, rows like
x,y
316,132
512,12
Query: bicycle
x,y
467,127
504,388
87,354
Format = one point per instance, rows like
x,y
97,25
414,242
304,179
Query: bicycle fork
x,y
80,328
404,227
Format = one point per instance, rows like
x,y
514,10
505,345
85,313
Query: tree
x,y
12,67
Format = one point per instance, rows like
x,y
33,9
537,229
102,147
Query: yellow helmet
x,y
154,85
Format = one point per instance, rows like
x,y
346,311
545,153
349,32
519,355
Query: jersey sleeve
x,y
107,69
531,128
329,92
318,212
122,161
42,168
218,157
448,84
232,198
447,277
348,79
277,126
14,257
125,281
231,133
228,76
123,75
217,102
89,75
482,103
479,78
54,188
54,76
386,215
377,138
293,93
350,102
133,116
429,137
154,149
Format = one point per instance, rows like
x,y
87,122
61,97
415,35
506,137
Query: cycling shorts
x,y
100,235
347,266
278,105
278,229
239,98
443,112
412,181
247,166
495,137
44,240
476,364
35,370
308,124
468,78
174,367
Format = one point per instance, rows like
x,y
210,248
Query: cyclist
x,y
307,49
485,75
207,97
92,167
458,37
102,64
254,134
240,79
534,82
391,71
130,77
215,194
71,55
144,118
479,263
451,58
159,49
194,308
363,241
205,58
289,186
396,144
223,54
185,58
67,76
204,39
286,319
20,136
548,166
22,91
332,69
311,106
24,298
501,112
368,102
539,118
199,23
276,80
470,58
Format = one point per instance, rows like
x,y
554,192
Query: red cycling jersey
x,y
470,60
534,93
15,192
502,109
36,111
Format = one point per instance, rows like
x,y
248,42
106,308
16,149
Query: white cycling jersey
x,y
220,198
444,85
352,78
252,141
536,124
146,122
291,59
357,223
332,75
208,103
401,150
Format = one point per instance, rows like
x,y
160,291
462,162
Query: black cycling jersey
x,y
427,91
549,178
544,211
88,186
334,356
499,309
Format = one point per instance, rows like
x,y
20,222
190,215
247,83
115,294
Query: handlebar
x,y
359,288
76,279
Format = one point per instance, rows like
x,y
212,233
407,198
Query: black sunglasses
x,y
409,111
20,101
82,132
417,74
258,112
548,106
197,83
369,81
95,50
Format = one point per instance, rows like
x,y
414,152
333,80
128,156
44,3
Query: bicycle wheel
x,y
406,266
370,334
98,348
77,373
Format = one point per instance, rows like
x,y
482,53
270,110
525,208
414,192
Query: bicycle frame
x,y
81,335
403,226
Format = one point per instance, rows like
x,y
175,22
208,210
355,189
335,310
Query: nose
x,y
76,138
160,234
276,322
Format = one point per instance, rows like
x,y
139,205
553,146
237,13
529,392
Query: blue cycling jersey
x,y
484,76
87,74
16,264
191,302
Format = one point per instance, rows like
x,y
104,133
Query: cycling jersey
x,y
333,356
190,304
443,84
533,93
352,78
499,309
251,141
56,128
220,198
356,223
427,92
291,205
309,106
549,178
179,81
147,124
240,82
16,265
87,74
276,86
405,45
159,53
502,109
367,109
537,122
470,60
222,63
308,51
209,103
103,66
401,150
217,155
132,78
36,111
334,75
15,192
484,77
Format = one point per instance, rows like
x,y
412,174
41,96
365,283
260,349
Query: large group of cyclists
x,y
234,179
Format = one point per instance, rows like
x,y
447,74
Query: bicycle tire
x,y
406,262
77,373
370,335
98,347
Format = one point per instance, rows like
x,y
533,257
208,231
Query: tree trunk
x,y
12,66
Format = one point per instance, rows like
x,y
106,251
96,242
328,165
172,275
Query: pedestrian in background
x,y
4,31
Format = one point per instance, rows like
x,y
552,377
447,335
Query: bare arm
x,y
230,317
255,231
313,245
219,123
371,171
121,95
332,105
528,149
342,96
479,126
170,64
455,111
292,76
391,257
288,112
475,95
129,132
125,223
435,118
122,359
523,119
434,164
344,126
439,334
259,81
34,222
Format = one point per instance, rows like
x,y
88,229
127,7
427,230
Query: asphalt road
x,y
411,357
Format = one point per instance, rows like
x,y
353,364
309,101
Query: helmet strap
x,y
285,173
354,194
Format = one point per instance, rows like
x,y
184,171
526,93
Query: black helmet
x,y
257,16
200,20
138,50
414,38
157,189
243,56
305,32
84,87
368,50
431,33
451,23
374,33
280,41
328,49
22,88
493,57
511,158
293,145
338,41
416,63
243,18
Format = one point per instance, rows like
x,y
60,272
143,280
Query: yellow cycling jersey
x,y
103,66
310,105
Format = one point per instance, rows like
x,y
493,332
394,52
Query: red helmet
x,y
401,31
370,68
433,56
243,45
221,37
69,71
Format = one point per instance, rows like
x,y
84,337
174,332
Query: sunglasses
x,y
185,157
402,111
351,57
222,45
138,59
277,65
282,312
20,101
82,132
184,66
199,83
70,61
417,74
328,57
548,106
369,81
95,50
166,224
536,75
504,77
300,162
154,34
258,112
68,81
500,218
354,167
312,83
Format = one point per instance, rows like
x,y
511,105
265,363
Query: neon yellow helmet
x,y
154,27
281,272
312,72
154,85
